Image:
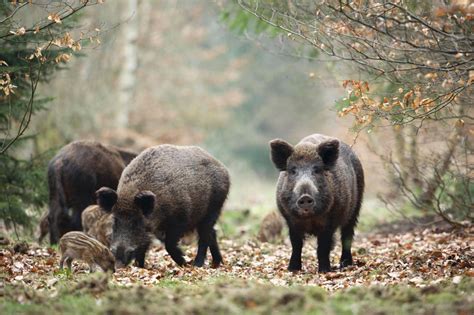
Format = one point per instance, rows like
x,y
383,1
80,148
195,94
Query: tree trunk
x,y
400,151
127,79
412,169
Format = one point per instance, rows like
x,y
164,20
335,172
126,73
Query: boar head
x,y
306,188
130,238
106,261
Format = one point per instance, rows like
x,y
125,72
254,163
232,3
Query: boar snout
x,y
119,265
304,198
305,202
123,256
110,267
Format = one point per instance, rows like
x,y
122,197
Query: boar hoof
x,y
215,264
198,263
294,267
324,269
181,262
139,264
345,263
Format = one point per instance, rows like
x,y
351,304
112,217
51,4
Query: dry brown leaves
x,y
419,258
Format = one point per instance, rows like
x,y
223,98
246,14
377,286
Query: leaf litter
x,y
419,258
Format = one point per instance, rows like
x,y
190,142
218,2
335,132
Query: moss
x,y
231,296
66,304
166,283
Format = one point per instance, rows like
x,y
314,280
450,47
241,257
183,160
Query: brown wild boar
x,y
43,227
77,245
319,190
271,227
167,190
102,229
74,175
90,217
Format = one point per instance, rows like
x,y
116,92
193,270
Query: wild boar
x,y
126,155
74,175
271,227
319,190
77,245
166,190
43,227
102,229
90,216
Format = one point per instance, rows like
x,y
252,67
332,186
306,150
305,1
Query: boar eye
x,y
317,169
292,171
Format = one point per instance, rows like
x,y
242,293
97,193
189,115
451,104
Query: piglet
x,y
77,245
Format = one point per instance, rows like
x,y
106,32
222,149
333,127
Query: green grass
x,y
94,295
66,304
240,223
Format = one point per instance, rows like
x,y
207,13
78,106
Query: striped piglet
x,y
77,245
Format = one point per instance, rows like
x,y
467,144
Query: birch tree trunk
x,y
127,79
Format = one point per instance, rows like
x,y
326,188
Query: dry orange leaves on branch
x,y
365,107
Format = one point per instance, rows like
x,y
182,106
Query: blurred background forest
x,y
210,73
173,72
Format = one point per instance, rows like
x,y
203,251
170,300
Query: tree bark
x,y
127,79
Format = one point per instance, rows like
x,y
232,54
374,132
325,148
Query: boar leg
x,y
207,228
347,233
92,268
53,229
297,245
171,246
140,257
65,258
68,261
44,229
203,244
215,252
42,236
325,242
61,262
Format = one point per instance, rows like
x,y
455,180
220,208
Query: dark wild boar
x,y
43,227
168,191
319,190
74,175
77,245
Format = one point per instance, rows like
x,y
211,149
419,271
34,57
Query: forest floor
x,y
410,270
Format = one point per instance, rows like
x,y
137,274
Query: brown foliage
x,y
419,257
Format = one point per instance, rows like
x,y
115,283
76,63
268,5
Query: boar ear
x,y
329,152
280,152
106,198
145,200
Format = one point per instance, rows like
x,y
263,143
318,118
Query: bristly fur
x,y
319,190
97,223
74,174
90,216
168,191
43,227
101,230
77,245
